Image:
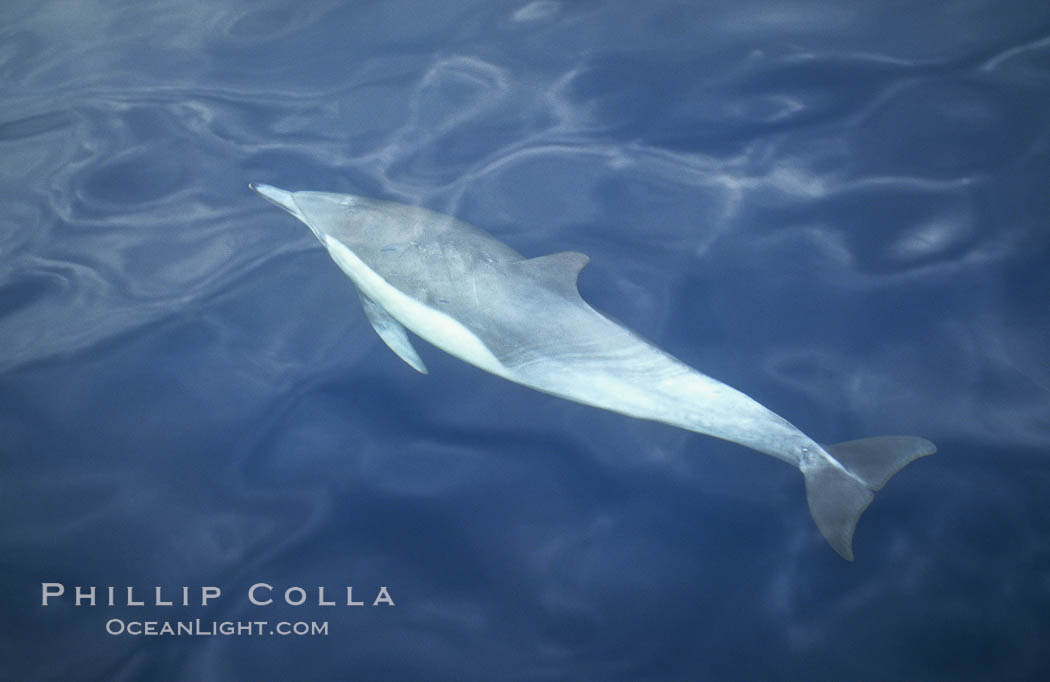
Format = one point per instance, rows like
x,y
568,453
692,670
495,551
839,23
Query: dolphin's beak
x,y
280,197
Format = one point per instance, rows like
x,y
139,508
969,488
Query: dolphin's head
x,y
349,218
285,200
324,213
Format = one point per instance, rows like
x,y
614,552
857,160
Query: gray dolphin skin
x,y
523,319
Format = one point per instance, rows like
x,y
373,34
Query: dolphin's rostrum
x,y
523,319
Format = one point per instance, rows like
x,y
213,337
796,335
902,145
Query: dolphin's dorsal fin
x,y
557,270
392,333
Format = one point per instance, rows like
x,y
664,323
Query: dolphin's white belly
x,y
430,324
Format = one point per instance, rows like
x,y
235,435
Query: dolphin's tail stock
x,y
840,487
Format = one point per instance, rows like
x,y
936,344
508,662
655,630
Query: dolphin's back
x,y
512,303
385,232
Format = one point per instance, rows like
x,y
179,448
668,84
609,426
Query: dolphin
x,y
523,319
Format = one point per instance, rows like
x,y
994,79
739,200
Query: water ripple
x,y
839,208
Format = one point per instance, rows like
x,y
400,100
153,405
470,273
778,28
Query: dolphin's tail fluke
x,y
839,491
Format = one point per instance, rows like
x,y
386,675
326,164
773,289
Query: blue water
x,y
840,208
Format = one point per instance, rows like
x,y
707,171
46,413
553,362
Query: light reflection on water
x,y
836,207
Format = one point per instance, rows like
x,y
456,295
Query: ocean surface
x,y
841,208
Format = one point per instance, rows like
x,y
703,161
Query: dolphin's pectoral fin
x,y
557,270
392,333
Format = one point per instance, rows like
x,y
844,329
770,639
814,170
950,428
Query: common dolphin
x,y
523,319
